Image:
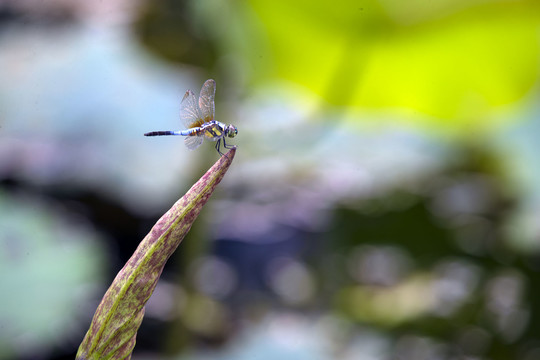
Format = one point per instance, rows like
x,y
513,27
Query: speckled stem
x,y
114,327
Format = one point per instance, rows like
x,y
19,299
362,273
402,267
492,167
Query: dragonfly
x,y
198,118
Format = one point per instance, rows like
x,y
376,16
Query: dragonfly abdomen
x,y
161,133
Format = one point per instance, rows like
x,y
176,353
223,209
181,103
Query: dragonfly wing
x,y
190,112
206,100
193,142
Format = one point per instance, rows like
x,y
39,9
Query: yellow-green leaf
x,y
114,327
456,63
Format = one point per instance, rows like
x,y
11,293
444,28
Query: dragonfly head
x,y
231,131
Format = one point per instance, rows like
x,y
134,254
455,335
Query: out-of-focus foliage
x,y
50,270
168,29
454,64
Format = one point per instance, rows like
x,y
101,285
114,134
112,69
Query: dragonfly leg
x,y
218,144
227,146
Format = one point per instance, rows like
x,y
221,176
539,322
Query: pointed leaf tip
x,y
114,327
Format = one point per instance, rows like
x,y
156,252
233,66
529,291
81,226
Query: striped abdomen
x,y
159,133
188,132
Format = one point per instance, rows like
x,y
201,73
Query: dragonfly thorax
x,y
215,130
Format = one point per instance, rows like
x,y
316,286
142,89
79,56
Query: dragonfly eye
x,y
232,131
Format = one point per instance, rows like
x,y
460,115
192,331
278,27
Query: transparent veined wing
x,y
193,142
189,111
206,100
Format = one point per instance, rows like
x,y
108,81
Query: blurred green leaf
x,y
51,266
458,62
165,27
114,327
